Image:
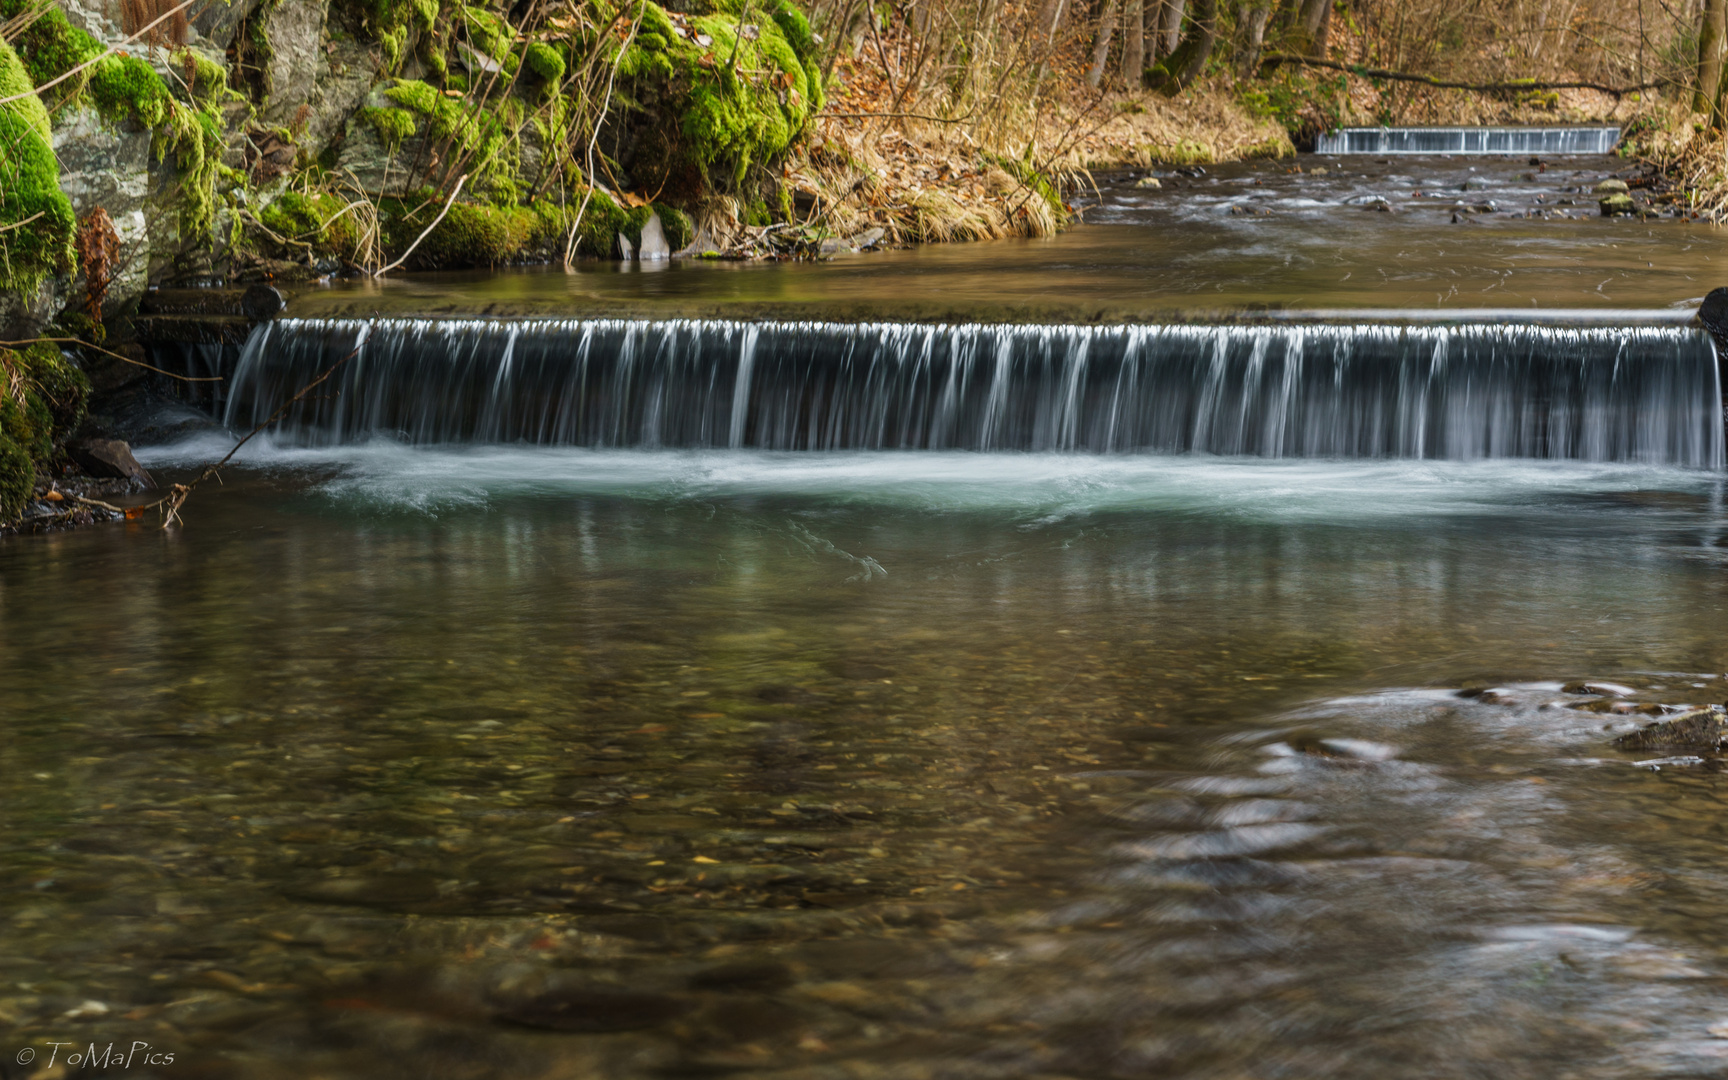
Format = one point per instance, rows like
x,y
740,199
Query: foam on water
x,y
392,473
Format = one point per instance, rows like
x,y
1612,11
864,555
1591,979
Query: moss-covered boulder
x,y
704,97
35,216
42,399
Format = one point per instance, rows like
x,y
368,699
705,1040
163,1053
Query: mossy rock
x,y
43,404
471,234
714,110
30,197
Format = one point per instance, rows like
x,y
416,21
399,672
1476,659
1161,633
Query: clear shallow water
x,y
531,762
1254,238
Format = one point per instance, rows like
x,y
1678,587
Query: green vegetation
x,y
740,100
36,215
42,399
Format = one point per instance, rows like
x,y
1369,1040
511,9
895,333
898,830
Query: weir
x,y
1471,140
1646,394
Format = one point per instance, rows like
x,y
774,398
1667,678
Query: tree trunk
x,y
1101,47
1253,18
1307,35
1134,45
1188,62
1706,98
1170,26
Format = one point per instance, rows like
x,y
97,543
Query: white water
x,y
435,479
1647,394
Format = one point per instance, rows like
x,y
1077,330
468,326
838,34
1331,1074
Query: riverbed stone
x,y
1700,729
1616,205
108,458
1612,187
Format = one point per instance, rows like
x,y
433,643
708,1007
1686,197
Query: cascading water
x,y
1474,140
1316,391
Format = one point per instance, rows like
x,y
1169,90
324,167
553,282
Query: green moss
x,y
292,215
732,114
680,230
425,13
43,402
125,87
487,32
392,125
14,79
471,234
17,471
210,79
29,189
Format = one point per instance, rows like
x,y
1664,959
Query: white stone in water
x,y
625,250
654,245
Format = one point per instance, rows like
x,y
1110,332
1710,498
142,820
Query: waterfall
x,y
1473,140
1481,390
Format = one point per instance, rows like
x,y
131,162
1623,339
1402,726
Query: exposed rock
x,y
108,458
1713,313
1612,187
108,166
296,34
1700,729
654,246
1616,205
867,239
262,302
1148,183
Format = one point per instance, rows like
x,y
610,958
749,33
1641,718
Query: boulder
x,y
1612,187
108,458
1713,313
1146,183
108,166
262,302
1616,205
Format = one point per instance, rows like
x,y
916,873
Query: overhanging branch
x,y
1516,86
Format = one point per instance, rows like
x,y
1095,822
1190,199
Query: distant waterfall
x,y
1473,140
1314,391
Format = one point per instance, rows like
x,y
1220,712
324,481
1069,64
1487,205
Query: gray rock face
x,y
296,34
344,78
654,246
373,165
101,165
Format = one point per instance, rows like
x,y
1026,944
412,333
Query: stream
x,y
693,747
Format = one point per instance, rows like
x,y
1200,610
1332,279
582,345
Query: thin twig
x,y
381,271
80,342
179,493
110,51
21,224
1274,59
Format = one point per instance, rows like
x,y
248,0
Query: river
x,y
484,758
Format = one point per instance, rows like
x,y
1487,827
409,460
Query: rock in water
x,y
1713,313
626,250
1700,729
1615,205
108,458
262,302
1146,183
654,245
1612,187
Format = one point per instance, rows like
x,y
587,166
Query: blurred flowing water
x,y
984,745
517,761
